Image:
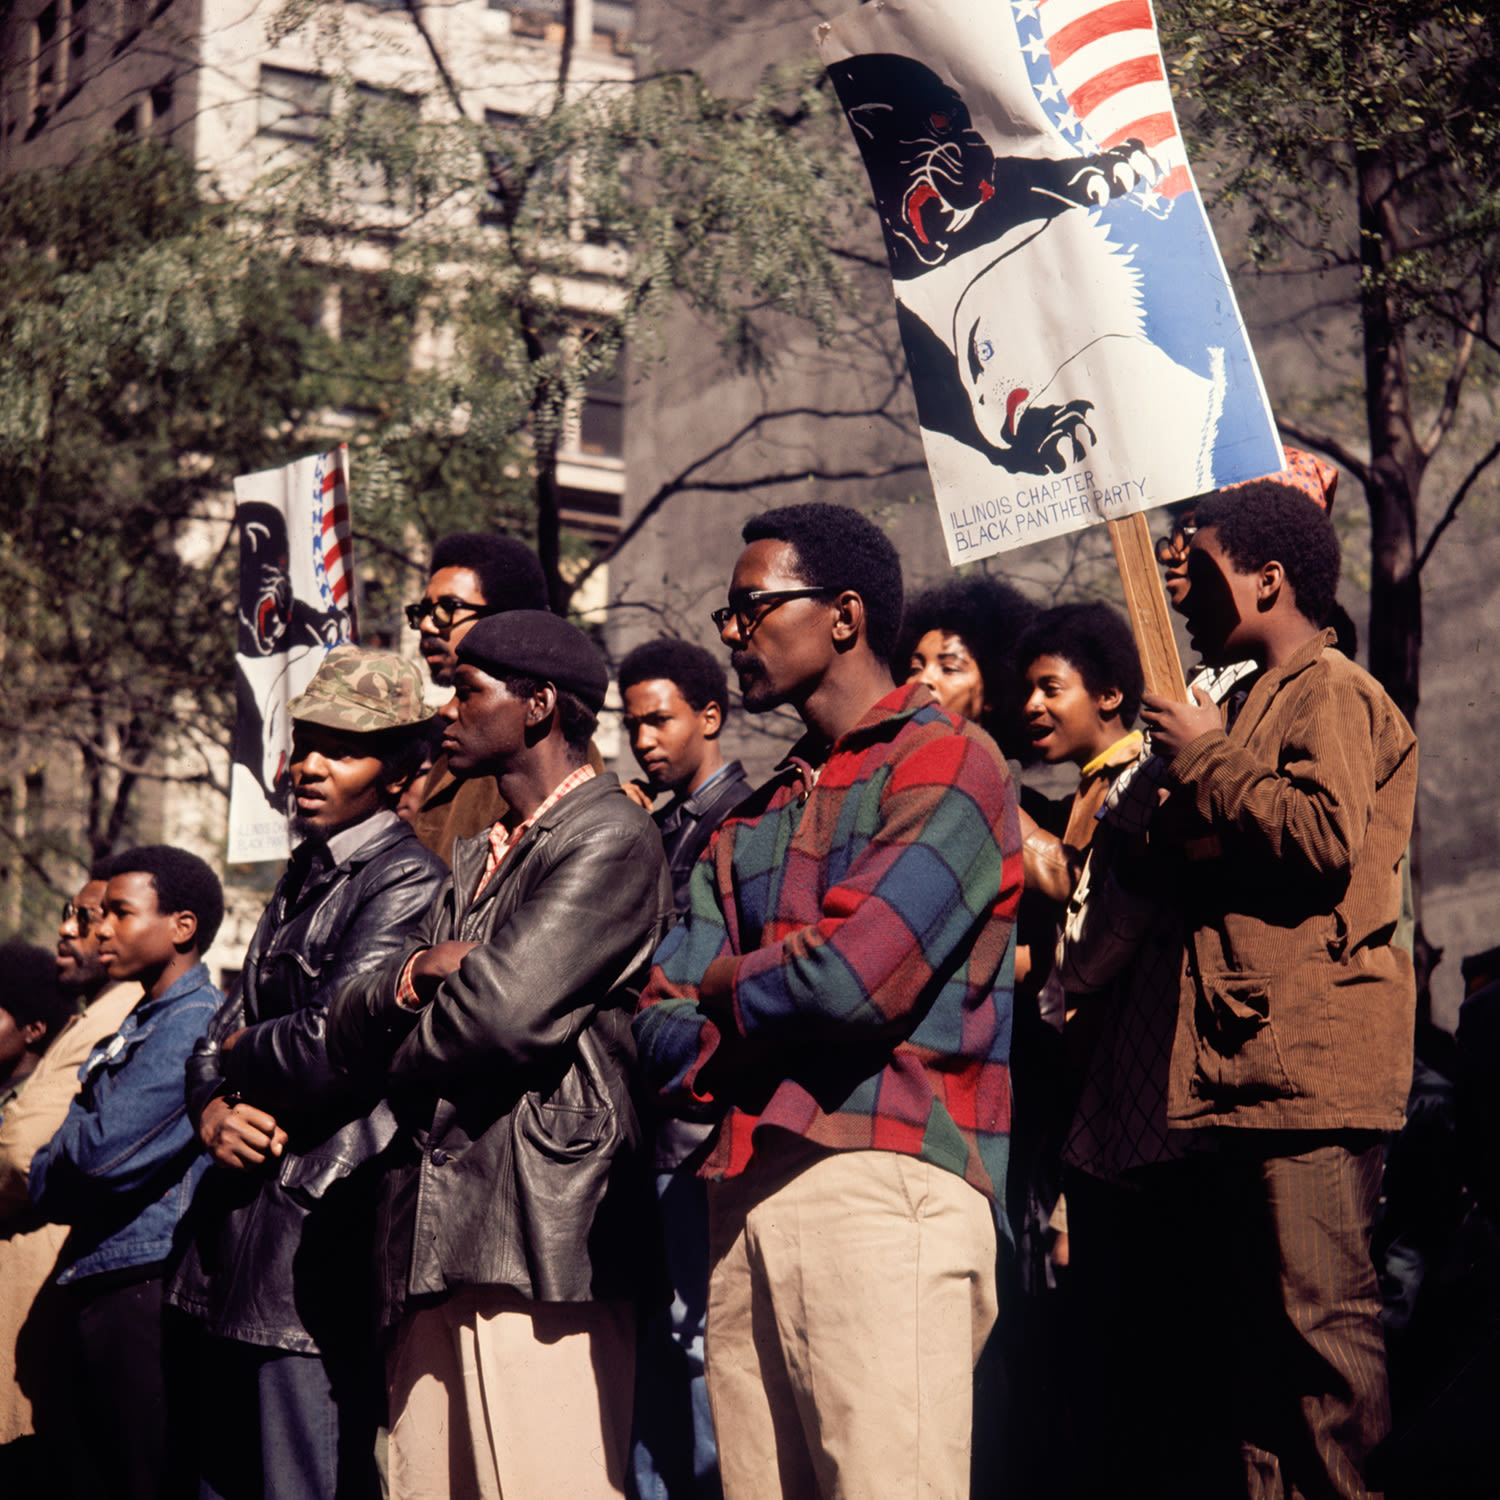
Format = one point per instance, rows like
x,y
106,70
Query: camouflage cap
x,y
363,691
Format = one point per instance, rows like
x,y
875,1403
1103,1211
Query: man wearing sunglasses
x,y
838,998
474,575
29,1251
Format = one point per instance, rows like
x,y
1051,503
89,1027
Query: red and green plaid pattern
x,y
872,922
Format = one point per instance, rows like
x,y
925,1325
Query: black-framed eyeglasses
x,y
83,917
746,610
1171,548
444,611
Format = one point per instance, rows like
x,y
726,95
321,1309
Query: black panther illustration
x,y
275,628
942,193
939,188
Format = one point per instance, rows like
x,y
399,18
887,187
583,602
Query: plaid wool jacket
x,y
871,917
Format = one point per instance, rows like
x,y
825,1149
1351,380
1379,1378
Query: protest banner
x,y
296,600
1075,347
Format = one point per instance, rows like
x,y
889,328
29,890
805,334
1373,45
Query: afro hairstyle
x,y
30,991
989,616
183,882
1096,641
838,549
510,577
1272,522
697,674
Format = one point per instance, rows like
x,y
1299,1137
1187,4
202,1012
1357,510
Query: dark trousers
x,y
1140,1275
1303,1365
282,1426
129,1359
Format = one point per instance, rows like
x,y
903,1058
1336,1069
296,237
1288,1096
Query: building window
x,y
601,417
290,109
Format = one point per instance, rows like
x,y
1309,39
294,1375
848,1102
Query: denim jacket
x,y
122,1167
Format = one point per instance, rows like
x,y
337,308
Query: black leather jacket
x,y
278,1256
688,825
518,1163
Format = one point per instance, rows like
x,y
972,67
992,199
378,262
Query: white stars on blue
x,y
1043,80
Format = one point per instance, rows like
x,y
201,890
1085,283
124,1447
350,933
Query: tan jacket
x,y
1295,1012
28,1250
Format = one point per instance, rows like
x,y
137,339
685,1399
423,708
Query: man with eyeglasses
x,y
839,998
28,1249
474,575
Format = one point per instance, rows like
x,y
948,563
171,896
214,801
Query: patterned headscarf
x,y
1315,477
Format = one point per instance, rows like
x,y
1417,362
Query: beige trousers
x,y
849,1298
494,1397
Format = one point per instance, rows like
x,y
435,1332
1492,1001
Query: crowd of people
x,y
886,1128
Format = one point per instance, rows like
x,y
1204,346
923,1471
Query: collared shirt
x,y
502,841
871,919
315,855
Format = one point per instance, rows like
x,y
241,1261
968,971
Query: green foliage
x,y
536,249
1363,137
147,355
1300,101
438,291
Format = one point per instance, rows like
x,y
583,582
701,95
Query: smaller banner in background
x,y
1075,346
296,600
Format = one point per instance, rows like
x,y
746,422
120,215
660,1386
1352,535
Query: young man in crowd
x,y
278,1239
122,1168
28,1248
676,699
511,1220
1294,1040
474,575
832,996
33,1009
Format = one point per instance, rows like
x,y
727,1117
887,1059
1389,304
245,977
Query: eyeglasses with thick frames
x,y
1173,548
83,917
747,613
444,610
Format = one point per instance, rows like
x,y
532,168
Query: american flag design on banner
x,y
332,546
1098,71
1075,347
296,600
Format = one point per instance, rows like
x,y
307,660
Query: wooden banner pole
x,y
1146,601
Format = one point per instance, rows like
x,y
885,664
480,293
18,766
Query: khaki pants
x,y
849,1298
494,1397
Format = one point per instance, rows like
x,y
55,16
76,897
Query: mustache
x,y
746,665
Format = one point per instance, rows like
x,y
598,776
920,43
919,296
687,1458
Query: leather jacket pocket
x,y
1238,1057
563,1149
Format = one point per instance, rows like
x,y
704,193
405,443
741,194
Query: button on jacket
x,y
516,1164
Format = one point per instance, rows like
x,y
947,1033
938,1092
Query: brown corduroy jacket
x,y
1296,1012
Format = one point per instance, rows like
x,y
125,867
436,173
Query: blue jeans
x,y
673,1455
287,1426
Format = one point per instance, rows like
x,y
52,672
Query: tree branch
x,y
30,860
1451,390
445,77
1459,496
683,484
1329,445
565,52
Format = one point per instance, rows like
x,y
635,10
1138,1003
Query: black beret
x,y
533,643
